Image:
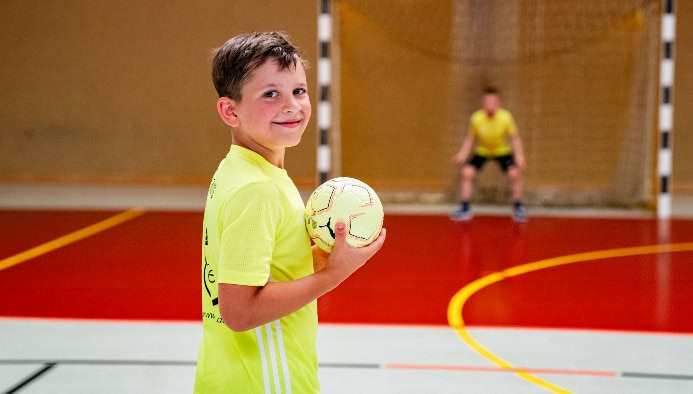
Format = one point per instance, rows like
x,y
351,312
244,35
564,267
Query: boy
x,y
260,275
491,126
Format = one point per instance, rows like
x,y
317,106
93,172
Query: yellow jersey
x,y
253,233
492,133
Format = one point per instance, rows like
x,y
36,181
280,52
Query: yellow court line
x,y
456,305
70,238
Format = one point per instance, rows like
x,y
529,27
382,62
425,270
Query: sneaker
x,y
461,215
520,214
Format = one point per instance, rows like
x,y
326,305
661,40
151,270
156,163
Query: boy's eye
x,y
271,94
300,91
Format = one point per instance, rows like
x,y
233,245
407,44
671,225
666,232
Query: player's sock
x,y
519,212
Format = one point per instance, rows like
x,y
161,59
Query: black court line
x,y
101,362
656,376
159,363
30,379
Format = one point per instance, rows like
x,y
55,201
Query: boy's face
x,y
490,103
274,109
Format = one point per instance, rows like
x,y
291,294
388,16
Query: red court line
x,y
499,369
579,329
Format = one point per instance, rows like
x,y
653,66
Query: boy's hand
x,y
346,258
319,258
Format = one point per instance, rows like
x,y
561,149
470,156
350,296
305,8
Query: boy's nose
x,y
291,104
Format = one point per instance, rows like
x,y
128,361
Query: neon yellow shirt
x,y
492,133
254,233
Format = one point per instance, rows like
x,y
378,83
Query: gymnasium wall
x,y
97,92
103,92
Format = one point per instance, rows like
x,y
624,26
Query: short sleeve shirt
x,y
253,233
492,133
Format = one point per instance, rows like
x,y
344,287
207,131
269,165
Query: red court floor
x,y
571,272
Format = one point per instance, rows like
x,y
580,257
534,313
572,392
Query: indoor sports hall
x,y
109,138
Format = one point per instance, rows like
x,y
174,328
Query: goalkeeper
x,y
493,130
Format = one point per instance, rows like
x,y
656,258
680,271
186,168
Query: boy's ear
x,y
227,111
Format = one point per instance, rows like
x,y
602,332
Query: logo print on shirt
x,y
208,276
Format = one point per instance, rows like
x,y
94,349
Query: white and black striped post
x,y
666,110
324,81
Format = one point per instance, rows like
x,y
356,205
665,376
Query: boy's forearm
x,y
518,150
516,142
245,307
465,149
276,299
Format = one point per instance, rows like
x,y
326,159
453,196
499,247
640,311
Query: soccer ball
x,y
344,199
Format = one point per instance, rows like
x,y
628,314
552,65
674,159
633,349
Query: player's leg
x,y
468,174
515,177
469,171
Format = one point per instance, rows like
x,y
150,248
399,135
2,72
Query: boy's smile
x,y
273,112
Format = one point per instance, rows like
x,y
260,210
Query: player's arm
x,y
246,307
466,148
518,151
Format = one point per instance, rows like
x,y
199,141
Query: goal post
x,y
580,77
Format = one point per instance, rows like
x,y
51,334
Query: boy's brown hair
x,y
490,90
241,55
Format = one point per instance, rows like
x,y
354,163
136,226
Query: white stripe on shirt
x,y
265,371
282,354
273,356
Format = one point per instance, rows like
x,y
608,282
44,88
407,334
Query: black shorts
x,y
505,161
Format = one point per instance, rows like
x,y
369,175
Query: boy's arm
x,y
246,307
518,152
464,151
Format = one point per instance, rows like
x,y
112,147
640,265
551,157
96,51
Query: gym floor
x,y
99,292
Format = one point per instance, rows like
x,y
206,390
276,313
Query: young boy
x,y
491,127
260,275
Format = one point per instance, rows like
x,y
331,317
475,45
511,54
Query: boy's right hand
x,y
346,258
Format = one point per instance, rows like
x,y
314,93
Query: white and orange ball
x,y
348,200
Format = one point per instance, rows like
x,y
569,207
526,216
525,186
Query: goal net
x,y
579,76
